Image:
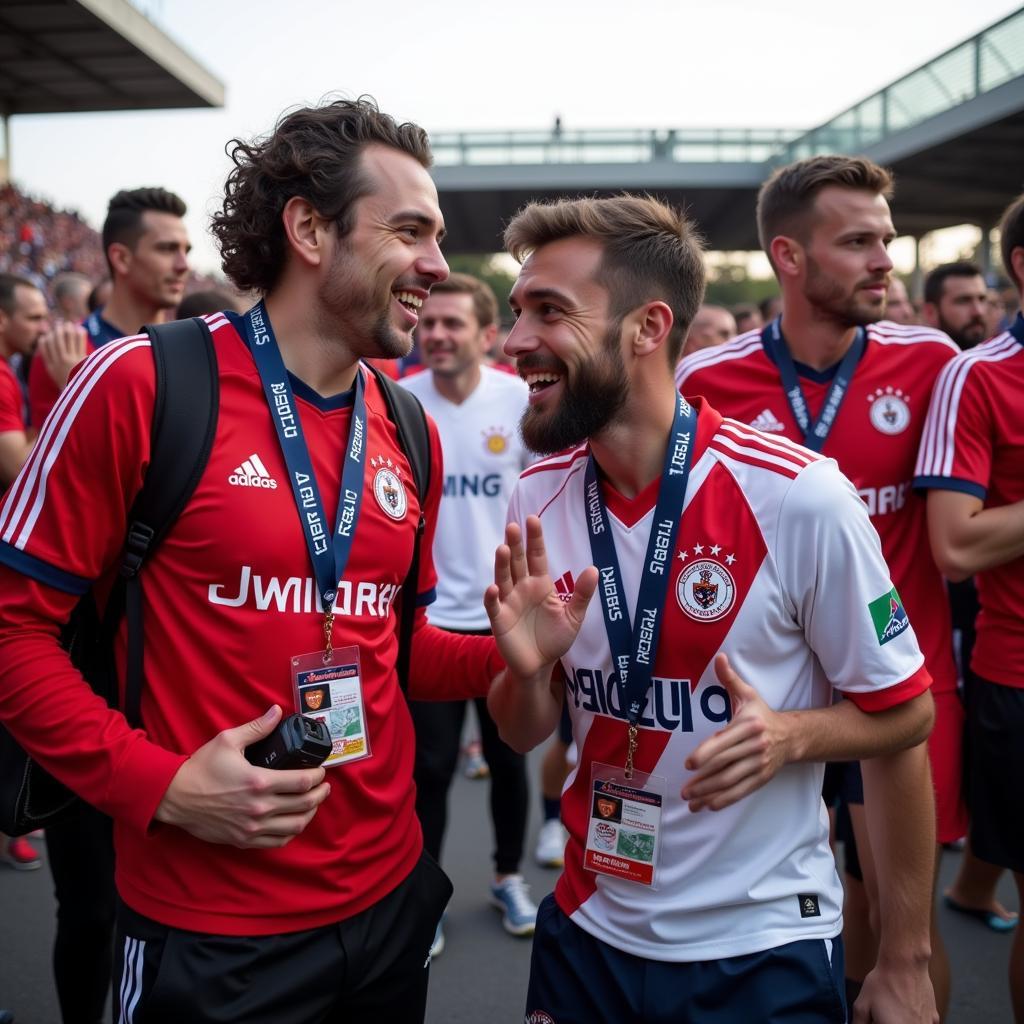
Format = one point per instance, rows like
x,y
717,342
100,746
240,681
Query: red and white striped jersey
x,y
874,439
799,597
974,442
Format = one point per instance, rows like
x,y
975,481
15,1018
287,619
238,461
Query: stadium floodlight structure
x,y
61,56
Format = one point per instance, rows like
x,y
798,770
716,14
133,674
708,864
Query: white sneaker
x,y
550,852
519,912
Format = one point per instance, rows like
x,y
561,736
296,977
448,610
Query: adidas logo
x,y
765,420
252,473
564,586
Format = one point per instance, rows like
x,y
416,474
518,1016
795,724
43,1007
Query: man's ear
x,y
120,257
305,230
652,323
786,255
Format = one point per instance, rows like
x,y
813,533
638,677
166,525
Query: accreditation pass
x,y
625,822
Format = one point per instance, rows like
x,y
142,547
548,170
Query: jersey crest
x,y
388,488
890,412
705,590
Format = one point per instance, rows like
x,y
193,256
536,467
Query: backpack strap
x,y
184,424
407,414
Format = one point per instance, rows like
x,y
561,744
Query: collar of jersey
x,y
802,369
629,511
299,387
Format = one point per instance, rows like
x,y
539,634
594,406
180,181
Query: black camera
x,y
297,742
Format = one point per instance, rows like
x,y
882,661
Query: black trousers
x,y
438,732
370,967
80,852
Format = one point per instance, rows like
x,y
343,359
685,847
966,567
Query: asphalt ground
x,y
482,974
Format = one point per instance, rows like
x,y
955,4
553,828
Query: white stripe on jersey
x,y
938,445
215,321
559,461
751,452
740,346
31,483
758,440
885,332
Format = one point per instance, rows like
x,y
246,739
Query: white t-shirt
x,y
483,456
777,565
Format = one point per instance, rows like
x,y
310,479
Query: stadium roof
x,y
952,130
76,55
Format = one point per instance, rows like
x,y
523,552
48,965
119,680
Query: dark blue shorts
x,y
577,979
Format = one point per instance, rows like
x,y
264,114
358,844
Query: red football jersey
x,y
874,439
974,442
12,400
229,598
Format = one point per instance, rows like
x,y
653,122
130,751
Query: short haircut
x,y
314,153
786,199
124,225
67,283
203,303
1011,236
485,305
935,282
652,252
9,284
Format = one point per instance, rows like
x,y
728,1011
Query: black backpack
x,y
184,425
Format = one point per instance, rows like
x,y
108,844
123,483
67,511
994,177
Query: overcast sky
x,y
456,64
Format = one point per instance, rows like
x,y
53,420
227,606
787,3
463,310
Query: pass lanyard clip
x,y
815,434
329,552
634,648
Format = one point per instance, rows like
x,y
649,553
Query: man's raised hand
x,y
533,626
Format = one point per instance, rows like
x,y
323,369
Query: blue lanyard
x,y
329,559
634,649
816,434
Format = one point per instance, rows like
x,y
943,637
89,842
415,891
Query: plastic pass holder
x,y
328,687
624,830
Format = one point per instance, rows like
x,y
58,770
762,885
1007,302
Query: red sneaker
x,y
20,855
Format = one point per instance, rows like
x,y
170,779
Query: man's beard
x,y
360,313
827,297
589,402
971,334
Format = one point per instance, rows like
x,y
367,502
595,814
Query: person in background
x,y
713,325
477,410
971,464
898,307
146,247
71,296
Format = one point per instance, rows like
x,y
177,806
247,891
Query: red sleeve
x,y
11,401
42,393
54,714
62,525
881,700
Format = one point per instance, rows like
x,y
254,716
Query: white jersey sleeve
x,y
830,558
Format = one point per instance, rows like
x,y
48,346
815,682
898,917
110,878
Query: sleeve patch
x,y
888,616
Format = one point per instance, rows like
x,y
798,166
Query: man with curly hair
x,y
248,894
